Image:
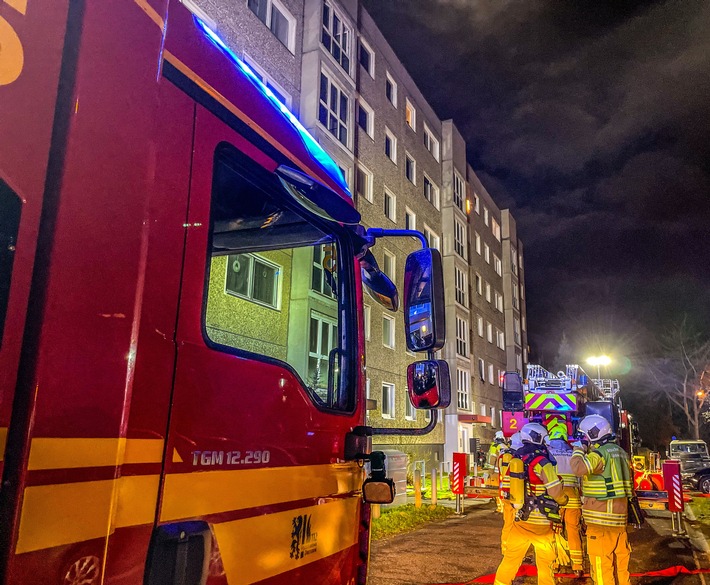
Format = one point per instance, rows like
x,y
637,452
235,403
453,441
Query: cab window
x,y
278,286
9,224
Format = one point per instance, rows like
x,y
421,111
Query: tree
x,y
682,373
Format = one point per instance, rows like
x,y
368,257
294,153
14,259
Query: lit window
x,y
498,265
367,58
431,143
387,400
410,168
477,237
487,253
459,191
491,378
410,114
461,337
323,334
489,332
363,182
479,284
253,278
486,216
480,326
333,109
495,228
391,146
488,292
388,331
336,36
366,118
390,206
391,90
516,330
279,20
476,204
482,376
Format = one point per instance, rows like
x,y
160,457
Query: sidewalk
x,y
468,503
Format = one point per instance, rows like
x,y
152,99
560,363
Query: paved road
x,y
459,549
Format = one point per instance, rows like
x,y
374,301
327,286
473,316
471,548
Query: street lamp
x,y
599,361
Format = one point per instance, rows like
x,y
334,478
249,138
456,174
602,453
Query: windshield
x,y
689,449
277,283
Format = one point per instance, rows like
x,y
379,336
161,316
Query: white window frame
x,y
432,237
370,129
491,379
408,213
486,215
477,237
487,253
291,42
391,259
388,406
461,336
367,321
408,158
482,376
393,84
477,204
410,112
489,331
431,143
480,326
460,239
267,80
368,48
393,145
368,195
410,413
389,343
341,91
479,284
488,292
345,28
431,194
332,333
278,270
393,206
459,191
493,416
500,338
498,265
463,389
461,286
495,228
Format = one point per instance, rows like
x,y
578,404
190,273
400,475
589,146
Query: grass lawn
x,y
441,494
406,518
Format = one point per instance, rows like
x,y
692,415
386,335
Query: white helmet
x,y
516,441
595,428
500,437
533,433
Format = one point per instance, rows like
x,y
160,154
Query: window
x,y
488,292
367,58
491,378
363,182
479,284
410,114
431,192
514,260
279,92
391,146
522,322
483,408
498,301
279,20
498,265
431,143
461,286
10,208
493,415
480,326
489,332
367,388
389,265
321,277
366,118
495,228
522,291
390,206
463,389
388,331
366,314
391,90
410,219
255,307
333,109
460,243
253,278
335,36
459,191
516,330
482,376
387,400
487,253
431,237
461,336
500,339
411,412
477,238
486,216
410,168
476,204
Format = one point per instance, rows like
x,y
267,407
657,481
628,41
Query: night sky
x,y
591,122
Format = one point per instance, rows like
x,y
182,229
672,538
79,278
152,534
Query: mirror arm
x,y
375,233
409,432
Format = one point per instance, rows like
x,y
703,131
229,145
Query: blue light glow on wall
x,y
314,149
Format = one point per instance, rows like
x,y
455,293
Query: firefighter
x,y
571,513
533,526
496,448
504,487
606,487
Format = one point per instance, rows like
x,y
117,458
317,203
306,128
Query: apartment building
x,y
330,64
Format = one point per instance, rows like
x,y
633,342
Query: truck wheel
x,y
705,485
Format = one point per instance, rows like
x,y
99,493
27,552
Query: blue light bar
x,y
314,149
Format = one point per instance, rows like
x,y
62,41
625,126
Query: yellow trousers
x,y
609,551
508,519
571,518
520,537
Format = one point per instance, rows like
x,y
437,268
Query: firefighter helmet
x,y
533,433
516,441
500,437
595,428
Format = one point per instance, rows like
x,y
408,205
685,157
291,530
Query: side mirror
x,y
429,384
378,488
378,284
425,328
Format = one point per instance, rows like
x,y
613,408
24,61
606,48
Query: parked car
x,y
700,481
693,457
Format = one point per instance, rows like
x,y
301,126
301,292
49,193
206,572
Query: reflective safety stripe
x,y
615,479
599,575
603,518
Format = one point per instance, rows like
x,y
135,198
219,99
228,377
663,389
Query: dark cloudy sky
x,y
591,121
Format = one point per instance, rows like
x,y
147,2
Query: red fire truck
x,y
181,341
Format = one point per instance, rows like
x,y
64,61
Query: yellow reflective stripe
x,y
72,453
580,454
257,548
58,514
599,574
188,495
3,442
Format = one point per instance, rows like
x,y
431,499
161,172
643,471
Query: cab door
x,y
254,478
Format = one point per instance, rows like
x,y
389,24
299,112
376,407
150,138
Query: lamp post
x,y
599,361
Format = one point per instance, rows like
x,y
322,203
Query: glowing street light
x,y
599,361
